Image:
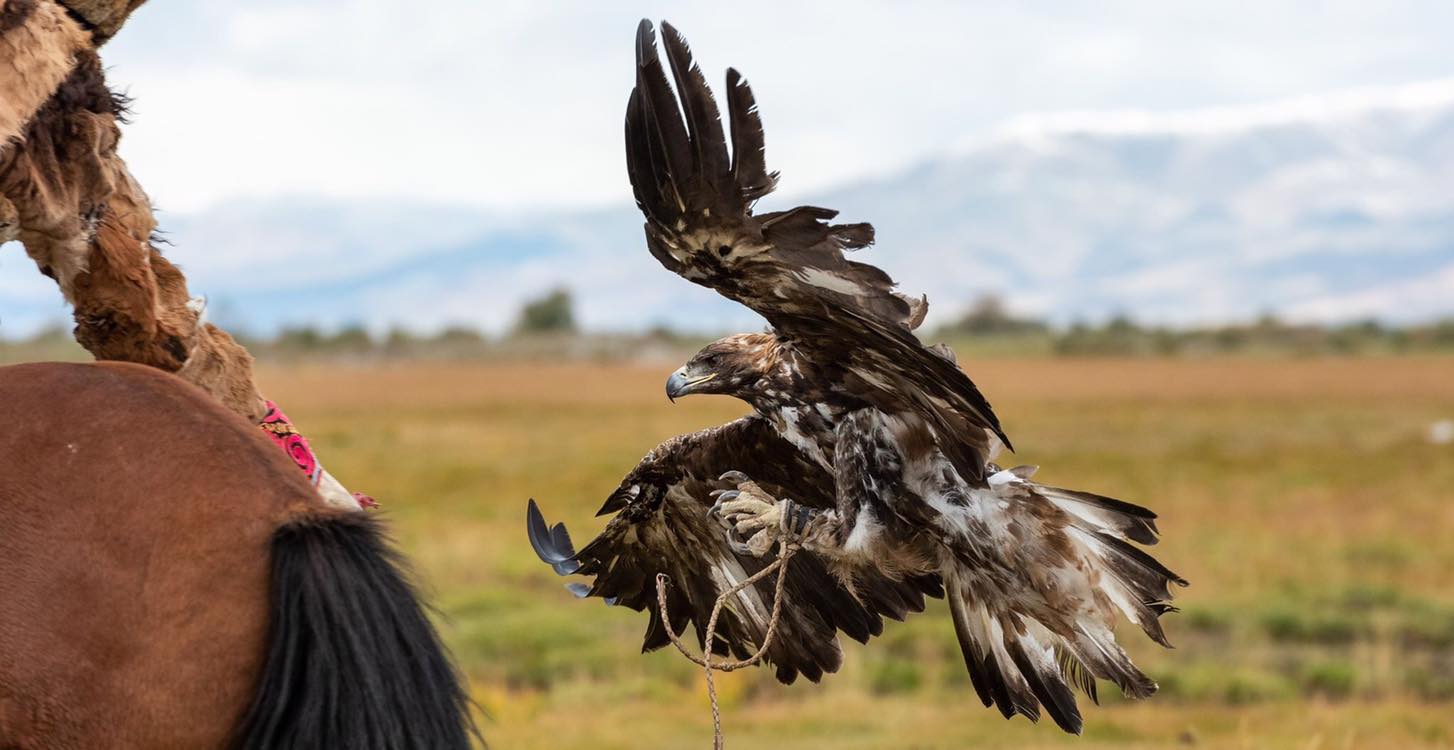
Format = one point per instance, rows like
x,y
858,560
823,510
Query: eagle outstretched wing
x,y
789,266
661,526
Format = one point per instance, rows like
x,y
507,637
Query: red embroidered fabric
x,y
282,432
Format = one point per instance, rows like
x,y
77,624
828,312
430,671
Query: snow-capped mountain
x,y
1330,208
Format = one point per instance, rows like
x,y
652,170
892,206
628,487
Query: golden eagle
x,y
870,449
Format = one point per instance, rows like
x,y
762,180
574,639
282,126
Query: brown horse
x,y
168,579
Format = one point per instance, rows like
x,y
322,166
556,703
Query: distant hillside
x,y
1325,210
1320,210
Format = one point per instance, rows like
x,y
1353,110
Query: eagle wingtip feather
x,y
551,544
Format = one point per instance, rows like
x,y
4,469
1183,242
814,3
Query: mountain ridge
x,y
1321,209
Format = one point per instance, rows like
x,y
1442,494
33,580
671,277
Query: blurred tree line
x,y
988,321
552,313
546,327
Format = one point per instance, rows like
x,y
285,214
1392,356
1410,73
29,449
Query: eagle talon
x,y
718,497
724,519
752,516
735,477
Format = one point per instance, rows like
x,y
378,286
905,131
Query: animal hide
x,y
68,196
105,17
9,221
88,224
38,47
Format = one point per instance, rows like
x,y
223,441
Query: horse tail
x,y
352,659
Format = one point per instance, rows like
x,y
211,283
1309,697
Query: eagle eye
x,y
724,250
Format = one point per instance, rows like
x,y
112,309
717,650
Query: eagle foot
x,y
749,513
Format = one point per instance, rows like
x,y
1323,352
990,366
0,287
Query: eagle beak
x,y
681,384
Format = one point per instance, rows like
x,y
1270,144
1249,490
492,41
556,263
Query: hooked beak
x,y
681,384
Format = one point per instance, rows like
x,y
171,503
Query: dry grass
x,y
1299,496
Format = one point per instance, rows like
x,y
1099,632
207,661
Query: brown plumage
x,y
789,266
661,526
881,443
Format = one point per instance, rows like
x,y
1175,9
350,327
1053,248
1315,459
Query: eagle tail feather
x,y
1017,665
1133,581
984,674
1099,653
1036,653
1019,661
1127,519
991,670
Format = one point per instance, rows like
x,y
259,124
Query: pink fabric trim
x,y
277,427
282,432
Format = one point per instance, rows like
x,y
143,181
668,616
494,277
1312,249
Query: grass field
x,y
1302,498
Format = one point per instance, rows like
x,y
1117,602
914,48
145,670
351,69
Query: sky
x,y
516,105
327,143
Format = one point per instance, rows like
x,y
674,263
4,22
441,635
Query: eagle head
x,y
733,366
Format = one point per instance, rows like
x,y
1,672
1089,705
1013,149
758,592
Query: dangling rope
x,y
785,553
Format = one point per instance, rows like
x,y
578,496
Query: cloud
x,y
1404,300
358,160
518,104
1322,108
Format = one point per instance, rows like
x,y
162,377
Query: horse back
x,y
135,520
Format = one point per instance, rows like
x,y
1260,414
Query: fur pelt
x,y
68,196
38,47
88,224
103,16
9,221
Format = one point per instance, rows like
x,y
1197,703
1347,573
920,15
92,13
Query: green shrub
x,y
1332,679
1243,687
1207,620
1325,628
1431,684
891,676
